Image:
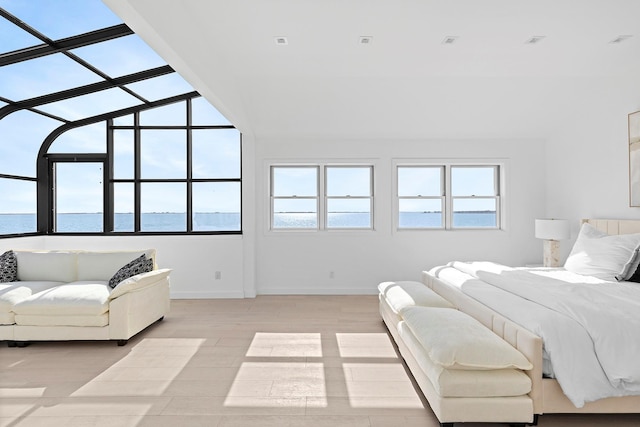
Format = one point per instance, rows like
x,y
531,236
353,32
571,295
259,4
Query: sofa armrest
x,y
139,281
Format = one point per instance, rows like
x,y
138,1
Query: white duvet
x,y
590,327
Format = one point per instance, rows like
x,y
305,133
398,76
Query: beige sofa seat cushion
x,y
86,298
103,265
403,294
47,265
465,383
455,340
13,292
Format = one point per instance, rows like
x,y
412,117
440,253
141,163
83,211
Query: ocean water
x,y
123,222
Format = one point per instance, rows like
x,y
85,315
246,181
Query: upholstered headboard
x,y
615,226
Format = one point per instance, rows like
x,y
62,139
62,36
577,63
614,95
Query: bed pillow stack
x,y
598,254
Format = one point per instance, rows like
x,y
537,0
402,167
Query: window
x,y
115,138
346,202
448,196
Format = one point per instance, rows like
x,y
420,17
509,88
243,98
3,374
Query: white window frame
x,y
499,166
322,196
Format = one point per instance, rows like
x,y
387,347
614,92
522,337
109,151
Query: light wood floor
x,y
270,361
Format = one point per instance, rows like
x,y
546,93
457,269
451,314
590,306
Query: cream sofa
x,y
65,295
466,372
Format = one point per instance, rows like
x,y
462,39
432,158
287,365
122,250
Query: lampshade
x,y
552,229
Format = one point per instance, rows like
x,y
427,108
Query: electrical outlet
x,y
218,275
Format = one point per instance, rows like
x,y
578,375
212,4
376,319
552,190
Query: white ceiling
x,y
406,83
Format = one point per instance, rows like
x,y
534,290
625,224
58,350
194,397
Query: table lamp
x,y
552,230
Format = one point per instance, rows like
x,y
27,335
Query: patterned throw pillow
x,y
8,267
137,266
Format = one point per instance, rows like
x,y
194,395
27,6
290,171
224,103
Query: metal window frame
x,y
45,161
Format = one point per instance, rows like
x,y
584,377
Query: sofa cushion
x,y
14,292
47,265
455,340
463,382
8,267
75,298
103,265
400,295
139,281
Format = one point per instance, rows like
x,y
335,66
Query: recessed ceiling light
x,y
620,39
366,39
281,40
534,40
450,40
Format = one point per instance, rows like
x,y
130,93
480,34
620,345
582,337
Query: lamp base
x,y
551,253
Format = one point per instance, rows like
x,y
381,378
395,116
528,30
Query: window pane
x,y
58,19
161,87
216,206
420,213
295,181
17,211
169,115
163,154
78,194
40,76
474,213
123,207
298,213
123,154
90,105
13,37
349,181
349,213
163,207
125,55
123,120
203,113
86,139
216,153
21,135
419,181
473,181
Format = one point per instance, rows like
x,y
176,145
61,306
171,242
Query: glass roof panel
x,y
92,104
13,38
21,134
169,115
62,18
85,139
126,55
48,74
161,87
205,114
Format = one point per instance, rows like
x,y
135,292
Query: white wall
x,y
194,259
301,262
588,158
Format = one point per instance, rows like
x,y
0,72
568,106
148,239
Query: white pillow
x,y
598,254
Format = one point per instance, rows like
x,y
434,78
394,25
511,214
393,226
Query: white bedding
x,y
590,327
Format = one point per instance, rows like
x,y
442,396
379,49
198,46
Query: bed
x,y
486,292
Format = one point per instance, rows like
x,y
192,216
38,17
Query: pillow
x,y
137,266
455,340
8,267
598,254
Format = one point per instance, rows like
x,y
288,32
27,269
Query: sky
x,y
164,152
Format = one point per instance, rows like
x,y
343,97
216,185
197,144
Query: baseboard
x,y
206,295
322,291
